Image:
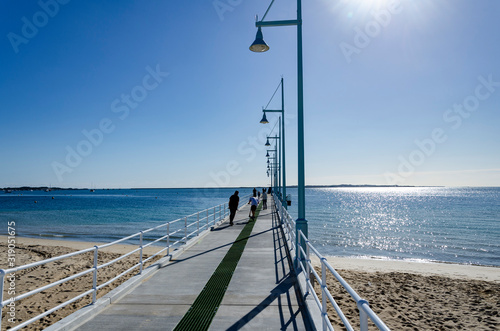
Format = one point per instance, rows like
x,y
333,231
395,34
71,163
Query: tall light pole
x,y
260,46
282,134
278,160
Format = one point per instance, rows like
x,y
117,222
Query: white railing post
x,y
140,254
363,317
324,289
308,271
297,250
198,223
207,219
214,216
94,278
185,230
168,238
282,211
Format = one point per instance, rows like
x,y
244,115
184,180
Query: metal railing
x,y
171,234
305,248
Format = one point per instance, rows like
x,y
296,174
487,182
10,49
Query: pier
x,y
203,289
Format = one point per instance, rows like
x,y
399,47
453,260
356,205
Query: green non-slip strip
x,y
203,310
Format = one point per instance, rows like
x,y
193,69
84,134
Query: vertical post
x,y
94,278
363,317
168,238
207,218
140,254
323,293
301,224
185,230
308,272
198,223
276,170
214,216
283,141
280,163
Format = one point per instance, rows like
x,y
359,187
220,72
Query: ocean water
x,y
103,215
457,225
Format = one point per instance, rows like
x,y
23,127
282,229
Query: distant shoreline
x,y
48,189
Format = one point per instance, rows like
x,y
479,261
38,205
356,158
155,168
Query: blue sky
x,y
121,94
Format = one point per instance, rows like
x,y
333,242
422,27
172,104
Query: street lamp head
x,y
267,142
259,45
264,119
267,155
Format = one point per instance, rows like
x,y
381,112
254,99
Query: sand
x,y
406,295
419,296
29,250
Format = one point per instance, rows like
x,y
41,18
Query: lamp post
x,y
260,46
278,161
282,134
273,168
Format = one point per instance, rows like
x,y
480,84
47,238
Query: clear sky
x,y
118,94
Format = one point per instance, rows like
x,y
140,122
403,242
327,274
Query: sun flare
x,y
361,8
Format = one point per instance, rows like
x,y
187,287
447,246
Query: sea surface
x,y
424,224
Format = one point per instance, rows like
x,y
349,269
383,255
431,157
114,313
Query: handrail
x,y
302,255
218,212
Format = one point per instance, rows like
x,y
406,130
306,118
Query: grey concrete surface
x,y
262,293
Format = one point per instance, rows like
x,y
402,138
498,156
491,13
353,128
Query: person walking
x,y
254,203
264,199
234,200
254,192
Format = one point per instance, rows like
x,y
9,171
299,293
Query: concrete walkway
x,y
262,294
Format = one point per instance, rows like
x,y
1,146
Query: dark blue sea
x,y
457,225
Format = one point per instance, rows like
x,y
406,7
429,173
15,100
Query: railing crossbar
x,y
156,254
104,265
118,276
50,311
53,259
119,240
335,305
46,287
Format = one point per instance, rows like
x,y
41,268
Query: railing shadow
x,y
290,306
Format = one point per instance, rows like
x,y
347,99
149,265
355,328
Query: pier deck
x,y
261,294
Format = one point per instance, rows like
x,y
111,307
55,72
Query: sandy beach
x,y
406,295
30,250
419,296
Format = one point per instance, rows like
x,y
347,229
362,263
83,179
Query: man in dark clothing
x,y
234,200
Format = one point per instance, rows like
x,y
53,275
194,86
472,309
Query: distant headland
x,y
48,189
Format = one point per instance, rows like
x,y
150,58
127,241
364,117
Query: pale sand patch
x,y
462,271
